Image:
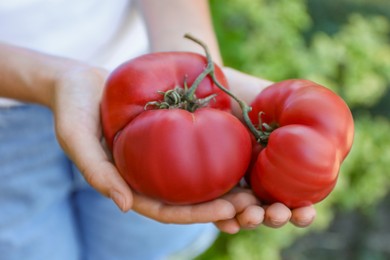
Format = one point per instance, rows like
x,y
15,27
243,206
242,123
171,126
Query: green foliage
x,y
265,38
262,37
365,173
279,39
354,62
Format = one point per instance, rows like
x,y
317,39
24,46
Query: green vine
x,y
260,135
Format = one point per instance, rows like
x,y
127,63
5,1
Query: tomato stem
x,y
178,98
260,135
185,98
190,94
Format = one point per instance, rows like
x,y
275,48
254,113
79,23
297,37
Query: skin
x,y
72,90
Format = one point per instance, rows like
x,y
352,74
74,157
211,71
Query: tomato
x,y
181,157
136,82
307,133
173,147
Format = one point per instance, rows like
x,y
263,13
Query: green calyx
x,y
180,98
185,98
261,135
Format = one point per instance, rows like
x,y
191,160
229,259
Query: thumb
x,y
86,151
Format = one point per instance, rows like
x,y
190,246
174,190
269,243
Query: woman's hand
x,y
76,108
75,105
250,213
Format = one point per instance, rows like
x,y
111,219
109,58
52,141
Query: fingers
x,y
241,198
249,214
103,176
303,217
78,128
89,156
230,226
212,211
251,217
277,215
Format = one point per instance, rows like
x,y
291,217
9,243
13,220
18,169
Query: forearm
x,y
167,22
246,87
29,76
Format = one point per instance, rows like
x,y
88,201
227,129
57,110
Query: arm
x,y
27,75
167,22
72,90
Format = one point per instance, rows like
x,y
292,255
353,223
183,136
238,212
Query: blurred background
x,y
344,45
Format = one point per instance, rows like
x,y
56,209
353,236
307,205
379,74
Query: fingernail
x,y
276,222
305,222
233,230
118,199
252,226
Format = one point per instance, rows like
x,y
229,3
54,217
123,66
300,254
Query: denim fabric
x,y
48,211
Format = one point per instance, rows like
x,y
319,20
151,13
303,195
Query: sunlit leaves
x,y
274,39
355,61
365,174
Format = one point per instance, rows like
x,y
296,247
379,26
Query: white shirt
x,y
100,32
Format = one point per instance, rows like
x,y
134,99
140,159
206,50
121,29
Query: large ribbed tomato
x,y
307,132
167,144
135,83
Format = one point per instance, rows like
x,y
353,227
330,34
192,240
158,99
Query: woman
x,y
55,57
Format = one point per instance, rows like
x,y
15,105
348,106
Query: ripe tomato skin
x,y
181,157
136,82
173,155
299,166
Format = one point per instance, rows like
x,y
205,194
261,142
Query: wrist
x,y
168,21
30,76
244,86
49,79
73,75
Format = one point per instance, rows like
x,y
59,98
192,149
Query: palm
x,y
76,110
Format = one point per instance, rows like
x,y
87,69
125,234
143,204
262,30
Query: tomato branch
x,y
260,135
190,94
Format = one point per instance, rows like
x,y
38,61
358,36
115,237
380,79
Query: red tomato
x,y
181,157
312,132
174,155
138,81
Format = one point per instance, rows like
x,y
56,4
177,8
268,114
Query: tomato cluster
x,y
166,118
167,142
305,133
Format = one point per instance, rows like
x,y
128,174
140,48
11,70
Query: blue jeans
x,y
48,211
